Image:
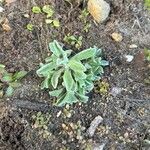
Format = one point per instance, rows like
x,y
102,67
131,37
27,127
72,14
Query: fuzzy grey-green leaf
x,y
68,80
85,54
68,99
76,66
56,93
46,68
55,78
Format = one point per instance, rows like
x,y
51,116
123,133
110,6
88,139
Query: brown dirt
x,y
126,116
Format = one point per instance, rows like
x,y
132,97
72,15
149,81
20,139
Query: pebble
x,y
115,91
59,113
94,124
117,37
1,9
129,58
99,9
133,46
99,147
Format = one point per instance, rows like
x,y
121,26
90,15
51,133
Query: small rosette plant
x,y
68,77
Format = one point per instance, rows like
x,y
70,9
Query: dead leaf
x,y
6,26
99,9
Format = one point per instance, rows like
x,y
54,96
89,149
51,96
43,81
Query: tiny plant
x,y
84,15
10,80
102,87
74,40
41,122
147,54
36,9
147,4
48,10
70,78
30,27
53,22
84,18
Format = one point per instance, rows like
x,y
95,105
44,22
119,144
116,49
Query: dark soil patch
x,y
126,116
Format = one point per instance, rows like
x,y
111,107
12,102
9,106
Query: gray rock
x,y
94,124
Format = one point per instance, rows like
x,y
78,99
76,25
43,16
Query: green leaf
x,y
81,83
2,66
85,54
56,93
76,66
7,77
30,27
9,91
104,63
15,84
56,48
55,78
45,84
56,23
19,75
36,9
79,75
68,52
48,10
45,69
68,80
69,98
82,98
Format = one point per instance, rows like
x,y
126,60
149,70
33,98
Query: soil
x,y
125,115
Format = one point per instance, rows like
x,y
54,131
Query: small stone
x,y
59,113
129,58
126,135
133,46
94,124
1,9
115,91
99,147
99,9
117,37
26,15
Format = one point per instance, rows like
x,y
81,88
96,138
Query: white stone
x,y
129,58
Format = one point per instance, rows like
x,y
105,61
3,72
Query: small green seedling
x,y
47,9
36,10
10,80
147,54
30,27
53,23
147,4
84,15
41,122
70,78
87,27
74,40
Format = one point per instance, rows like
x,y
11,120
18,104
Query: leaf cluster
x,y
10,80
73,40
49,11
69,77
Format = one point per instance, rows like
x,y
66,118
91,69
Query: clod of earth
x,y
99,9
